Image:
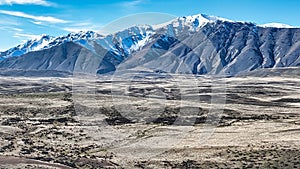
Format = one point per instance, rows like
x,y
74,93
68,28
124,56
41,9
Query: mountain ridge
x,y
198,44
93,34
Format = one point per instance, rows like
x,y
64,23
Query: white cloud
x,y
131,4
48,19
82,26
70,29
78,29
17,29
37,22
26,2
25,36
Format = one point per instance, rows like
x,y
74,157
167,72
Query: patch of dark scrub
x,y
67,97
168,117
63,120
8,147
94,163
106,92
228,117
114,117
28,112
256,89
67,110
165,120
11,121
252,117
15,120
187,116
117,120
39,89
268,156
287,100
186,164
169,94
237,99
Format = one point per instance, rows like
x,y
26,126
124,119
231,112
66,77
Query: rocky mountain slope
x,y
198,44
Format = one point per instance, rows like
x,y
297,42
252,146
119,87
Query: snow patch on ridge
x,y
276,25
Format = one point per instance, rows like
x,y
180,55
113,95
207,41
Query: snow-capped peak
x,y
198,20
129,40
212,18
276,25
190,23
83,35
35,44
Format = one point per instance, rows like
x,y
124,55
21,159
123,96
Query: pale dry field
x,y
153,122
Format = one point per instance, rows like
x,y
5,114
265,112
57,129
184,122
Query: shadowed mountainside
x,y
184,45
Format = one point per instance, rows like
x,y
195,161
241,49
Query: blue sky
x,y
24,19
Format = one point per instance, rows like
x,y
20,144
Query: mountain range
x,y
198,44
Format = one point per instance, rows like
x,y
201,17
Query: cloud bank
x,y
26,2
48,19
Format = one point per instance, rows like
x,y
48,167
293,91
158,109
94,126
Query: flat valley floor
x,y
151,122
